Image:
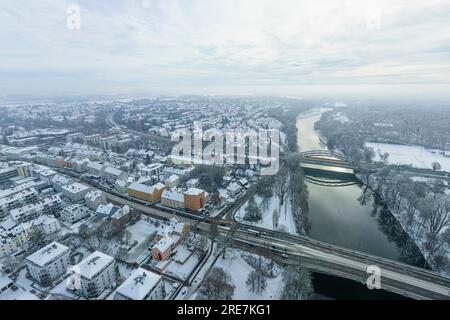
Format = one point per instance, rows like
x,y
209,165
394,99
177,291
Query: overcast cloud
x,y
170,45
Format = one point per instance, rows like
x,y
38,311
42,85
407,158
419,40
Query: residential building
x,y
172,199
146,193
60,181
49,206
141,285
172,181
194,199
163,248
8,172
95,169
75,213
111,174
94,274
93,199
17,200
192,183
75,191
48,263
153,169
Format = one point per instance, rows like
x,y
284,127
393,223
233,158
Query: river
x,y
344,212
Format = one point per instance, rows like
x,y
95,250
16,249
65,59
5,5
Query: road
x,y
157,139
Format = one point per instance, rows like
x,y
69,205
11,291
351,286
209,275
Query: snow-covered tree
x,y
297,284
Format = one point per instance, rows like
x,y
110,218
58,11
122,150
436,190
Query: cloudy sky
x,y
226,46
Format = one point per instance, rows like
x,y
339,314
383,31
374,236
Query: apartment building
x,y
75,191
17,200
194,199
93,199
75,213
146,193
49,206
48,263
94,274
141,285
172,199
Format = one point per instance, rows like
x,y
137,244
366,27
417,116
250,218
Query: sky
x,y
58,47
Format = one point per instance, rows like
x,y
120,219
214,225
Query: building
x,y
105,211
141,285
111,174
233,189
8,172
153,169
17,200
60,181
95,169
176,230
121,186
172,199
49,206
93,275
75,191
194,199
162,250
146,193
75,213
48,263
7,244
23,169
192,183
93,199
48,224
172,181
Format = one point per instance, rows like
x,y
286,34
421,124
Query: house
x,y
146,193
243,182
48,263
93,275
192,183
111,174
75,213
172,199
163,248
233,189
194,199
93,199
176,230
141,285
95,169
105,211
121,186
121,217
172,181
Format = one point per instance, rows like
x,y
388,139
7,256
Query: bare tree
x,y
217,286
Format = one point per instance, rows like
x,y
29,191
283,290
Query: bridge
x,y
325,160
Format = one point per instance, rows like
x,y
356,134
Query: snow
x,y
416,156
286,221
139,284
143,232
239,269
182,271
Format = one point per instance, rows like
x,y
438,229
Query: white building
x,y
93,199
95,169
49,206
153,169
7,244
75,191
60,181
172,181
111,174
141,285
48,263
192,183
17,200
94,274
75,213
172,199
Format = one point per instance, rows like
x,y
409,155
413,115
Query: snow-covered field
x,y
416,156
239,269
286,221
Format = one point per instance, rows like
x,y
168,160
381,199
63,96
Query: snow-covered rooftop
x,y
139,284
48,254
93,264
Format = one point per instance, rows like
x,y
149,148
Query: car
x,y
183,291
284,256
